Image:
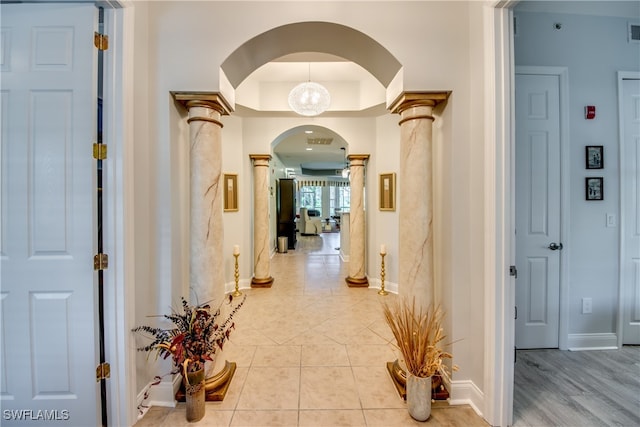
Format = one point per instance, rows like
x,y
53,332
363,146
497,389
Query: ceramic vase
x,y
419,397
195,395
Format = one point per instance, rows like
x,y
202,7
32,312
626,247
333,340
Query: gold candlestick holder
x,y
382,291
236,275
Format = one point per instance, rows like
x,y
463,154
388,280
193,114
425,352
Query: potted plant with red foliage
x,y
196,335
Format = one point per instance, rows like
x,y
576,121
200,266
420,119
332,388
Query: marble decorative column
x,y
206,232
357,276
206,207
261,254
415,191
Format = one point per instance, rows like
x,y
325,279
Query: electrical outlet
x,y
587,305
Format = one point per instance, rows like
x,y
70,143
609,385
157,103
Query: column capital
x,y
360,158
260,159
213,100
417,99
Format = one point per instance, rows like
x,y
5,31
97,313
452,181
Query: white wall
x,y
593,48
382,226
187,42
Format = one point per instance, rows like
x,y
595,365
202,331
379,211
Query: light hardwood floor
x,y
582,388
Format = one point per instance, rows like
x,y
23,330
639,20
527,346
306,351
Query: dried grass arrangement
x,y
419,337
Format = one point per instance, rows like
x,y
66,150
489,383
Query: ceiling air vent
x,y
319,141
634,32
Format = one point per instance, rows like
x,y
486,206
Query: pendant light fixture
x,y
346,170
309,98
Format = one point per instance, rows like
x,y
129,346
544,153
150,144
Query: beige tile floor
x,y
311,352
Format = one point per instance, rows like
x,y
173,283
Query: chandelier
x,y
309,98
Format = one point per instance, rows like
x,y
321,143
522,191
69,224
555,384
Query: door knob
x,y
555,246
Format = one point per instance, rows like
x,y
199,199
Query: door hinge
x,y
516,313
101,41
513,271
103,371
101,262
99,151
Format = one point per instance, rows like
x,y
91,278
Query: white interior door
x,y
537,210
48,353
631,229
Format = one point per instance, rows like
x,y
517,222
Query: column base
x,y
261,283
216,386
399,378
357,282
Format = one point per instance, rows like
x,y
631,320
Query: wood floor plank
x,y
602,409
586,388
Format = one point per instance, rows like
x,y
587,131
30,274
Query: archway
x,y
325,37
416,254
416,110
318,158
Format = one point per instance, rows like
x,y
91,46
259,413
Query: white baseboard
x,y
388,286
242,284
604,341
162,394
465,393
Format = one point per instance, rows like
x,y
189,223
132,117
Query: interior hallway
x,y
311,352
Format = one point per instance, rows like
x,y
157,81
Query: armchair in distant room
x,y
309,225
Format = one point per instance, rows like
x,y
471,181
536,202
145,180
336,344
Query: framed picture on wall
x,y
387,192
594,188
594,157
230,191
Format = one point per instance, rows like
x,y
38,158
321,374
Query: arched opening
x,y
316,157
323,37
358,71
364,72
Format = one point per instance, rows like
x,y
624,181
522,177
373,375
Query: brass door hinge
x,y
101,41
103,371
99,151
100,262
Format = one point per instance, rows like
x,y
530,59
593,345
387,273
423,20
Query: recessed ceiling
x,y
354,92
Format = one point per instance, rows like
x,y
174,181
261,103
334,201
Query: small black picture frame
x,y
594,157
594,188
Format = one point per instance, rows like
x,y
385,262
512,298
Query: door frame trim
x,y
119,290
563,79
622,75
498,187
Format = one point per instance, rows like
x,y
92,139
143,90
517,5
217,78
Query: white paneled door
x,y
631,230
47,289
538,247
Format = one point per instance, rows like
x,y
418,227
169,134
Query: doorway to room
x,y
313,158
